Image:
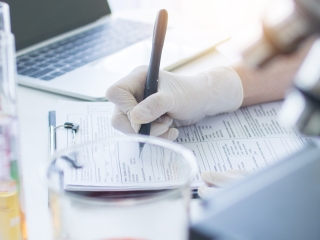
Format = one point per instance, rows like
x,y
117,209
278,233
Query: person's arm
x,y
180,100
183,100
271,82
267,84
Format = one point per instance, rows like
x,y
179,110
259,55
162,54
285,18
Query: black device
x,y
34,21
37,21
281,202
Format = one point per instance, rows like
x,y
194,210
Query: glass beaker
x,y
107,190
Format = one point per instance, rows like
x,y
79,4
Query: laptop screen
x,y
33,21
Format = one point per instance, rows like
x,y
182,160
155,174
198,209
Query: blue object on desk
x,y
52,125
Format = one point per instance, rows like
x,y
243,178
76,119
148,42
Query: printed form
x,y
108,168
250,138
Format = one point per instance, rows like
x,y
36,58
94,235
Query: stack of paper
x,y
250,139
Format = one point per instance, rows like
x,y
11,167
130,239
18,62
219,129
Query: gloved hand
x,y
217,180
181,100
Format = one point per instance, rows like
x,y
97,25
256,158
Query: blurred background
x,y
229,14
239,18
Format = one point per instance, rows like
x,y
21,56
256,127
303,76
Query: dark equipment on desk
x,y
283,201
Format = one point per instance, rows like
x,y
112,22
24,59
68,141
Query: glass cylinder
x,y
5,17
148,200
12,218
8,100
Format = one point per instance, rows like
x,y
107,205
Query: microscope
x,y
282,201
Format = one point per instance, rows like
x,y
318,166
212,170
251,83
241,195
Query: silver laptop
x,y
77,48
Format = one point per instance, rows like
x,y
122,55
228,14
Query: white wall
x,y
224,14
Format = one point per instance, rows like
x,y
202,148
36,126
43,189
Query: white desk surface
x,y
33,115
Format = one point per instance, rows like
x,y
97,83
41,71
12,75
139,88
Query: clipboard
x,y
52,141
74,127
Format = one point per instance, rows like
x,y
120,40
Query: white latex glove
x,y
217,180
181,100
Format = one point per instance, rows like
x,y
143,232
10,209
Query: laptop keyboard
x,y
73,52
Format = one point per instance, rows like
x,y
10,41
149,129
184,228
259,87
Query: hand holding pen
x,y
180,100
147,84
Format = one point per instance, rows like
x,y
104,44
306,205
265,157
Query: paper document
x,y
250,139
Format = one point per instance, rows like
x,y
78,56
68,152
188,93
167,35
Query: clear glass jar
x,y
105,190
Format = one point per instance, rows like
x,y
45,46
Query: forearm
x,y
271,82
264,85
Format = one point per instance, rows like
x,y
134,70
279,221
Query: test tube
x,y
5,17
7,74
11,216
12,219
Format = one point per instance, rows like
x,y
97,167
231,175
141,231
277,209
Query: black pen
x,y
159,33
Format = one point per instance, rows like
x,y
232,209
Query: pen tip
x,y
140,150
